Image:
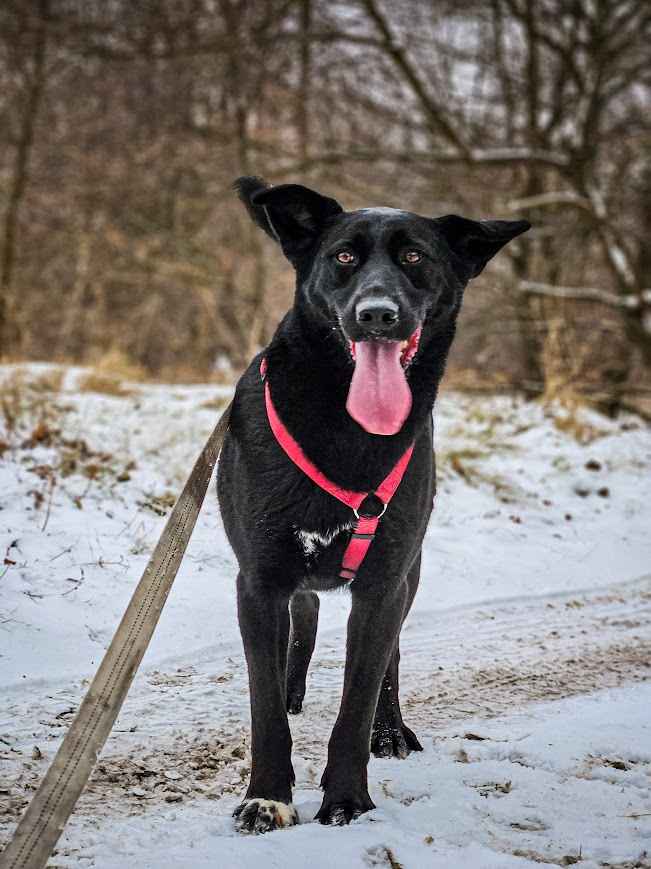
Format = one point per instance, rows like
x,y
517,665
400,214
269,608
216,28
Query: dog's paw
x,y
390,741
338,813
261,816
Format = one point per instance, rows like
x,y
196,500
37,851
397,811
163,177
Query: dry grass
x,y
216,403
106,384
181,374
464,463
564,362
474,381
28,401
33,418
47,381
11,400
569,417
481,438
115,364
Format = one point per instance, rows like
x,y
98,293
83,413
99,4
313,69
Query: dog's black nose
x,y
376,315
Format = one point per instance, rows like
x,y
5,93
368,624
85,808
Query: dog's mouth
x,y
379,397
408,348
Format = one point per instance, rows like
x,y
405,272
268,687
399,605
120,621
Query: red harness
x,y
365,524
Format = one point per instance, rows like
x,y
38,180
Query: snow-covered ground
x,y
524,659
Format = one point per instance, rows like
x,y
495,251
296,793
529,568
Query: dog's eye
x,y
345,257
411,257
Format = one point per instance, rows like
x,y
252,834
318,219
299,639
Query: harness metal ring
x,y
379,516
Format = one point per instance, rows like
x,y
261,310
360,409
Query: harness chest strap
x,y
365,525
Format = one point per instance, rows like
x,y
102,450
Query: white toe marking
x,y
284,814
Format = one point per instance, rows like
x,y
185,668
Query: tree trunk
x,y
302,105
9,326
638,320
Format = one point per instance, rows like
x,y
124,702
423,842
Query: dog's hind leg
x,y
264,624
304,608
390,736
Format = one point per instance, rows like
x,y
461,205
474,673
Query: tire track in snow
x,y
484,660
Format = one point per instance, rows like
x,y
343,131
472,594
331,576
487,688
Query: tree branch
x,y
629,301
497,157
556,197
435,114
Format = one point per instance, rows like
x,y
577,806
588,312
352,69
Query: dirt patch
x,y
535,857
126,785
488,692
642,862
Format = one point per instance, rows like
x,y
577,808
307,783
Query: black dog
x,y
352,373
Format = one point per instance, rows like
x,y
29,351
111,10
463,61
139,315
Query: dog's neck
x,y
309,374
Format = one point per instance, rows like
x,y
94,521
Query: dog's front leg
x,y
264,624
373,628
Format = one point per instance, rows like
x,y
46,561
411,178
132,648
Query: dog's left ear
x,y
291,214
477,241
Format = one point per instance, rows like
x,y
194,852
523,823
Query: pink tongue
x,y
379,398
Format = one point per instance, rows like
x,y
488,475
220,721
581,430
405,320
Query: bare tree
x,y
29,26
121,210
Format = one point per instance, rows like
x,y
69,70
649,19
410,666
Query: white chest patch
x,y
313,540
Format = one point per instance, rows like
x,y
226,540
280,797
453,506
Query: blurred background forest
x,y
123,125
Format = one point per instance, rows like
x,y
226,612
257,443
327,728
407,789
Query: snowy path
x,y
463,670
531,629
556,783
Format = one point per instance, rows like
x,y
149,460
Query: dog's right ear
x,y
291,214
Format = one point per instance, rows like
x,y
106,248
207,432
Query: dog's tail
x,y
246,187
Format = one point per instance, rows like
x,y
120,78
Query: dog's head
x,y
388,281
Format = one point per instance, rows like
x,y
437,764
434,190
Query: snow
x,y
538,785
530,629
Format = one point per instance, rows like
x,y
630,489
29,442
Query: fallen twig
x,y
49,502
